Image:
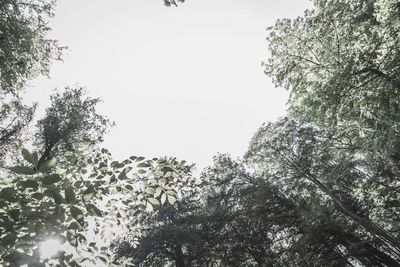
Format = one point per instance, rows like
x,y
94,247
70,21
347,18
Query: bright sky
x,y
184,82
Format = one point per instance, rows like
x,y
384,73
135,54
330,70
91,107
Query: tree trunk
x,y
370,227
45,156
179,261
364,252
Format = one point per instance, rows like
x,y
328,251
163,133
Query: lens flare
x,y
50,248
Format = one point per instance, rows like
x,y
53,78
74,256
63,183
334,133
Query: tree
x,y
32,203
57,187
61,185
58,200
70,120
243,220
14,118
345,86
341,63
269,223
171,232
304,160
26,51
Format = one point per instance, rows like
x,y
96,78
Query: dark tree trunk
x,y
367,254
386,238
179,260
45,156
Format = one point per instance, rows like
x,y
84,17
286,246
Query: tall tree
x,y
341,63
25,52
31,199
71,120
246,220
59,186
305,161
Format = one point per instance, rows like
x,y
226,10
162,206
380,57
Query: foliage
x,y
173,2
318,187
25,49
70,120
161,235
344,102
39,202
340,62
57,202
306,163
14,117
67,182
25,53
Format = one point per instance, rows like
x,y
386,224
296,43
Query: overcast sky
x,y
184,82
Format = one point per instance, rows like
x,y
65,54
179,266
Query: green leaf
x,y
127,161
158,192
162,181
51,179
29,184
70,196
14,214
149,207
74,226
59,214
8,193
171,199
129,187
113,180
122,176
71,238
58,199
140,158
103,259
77,214
117,165
93,210
143,165
150,190
47,165
32,158
163,198
22,170
38,196
88,194
153,201
8,239
81,238
171,193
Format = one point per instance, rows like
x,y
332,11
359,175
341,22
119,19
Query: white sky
x,y
184,82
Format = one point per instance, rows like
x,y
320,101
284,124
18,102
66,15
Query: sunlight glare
x,y
49,248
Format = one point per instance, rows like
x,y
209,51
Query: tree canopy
x,y
25,49
318,187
